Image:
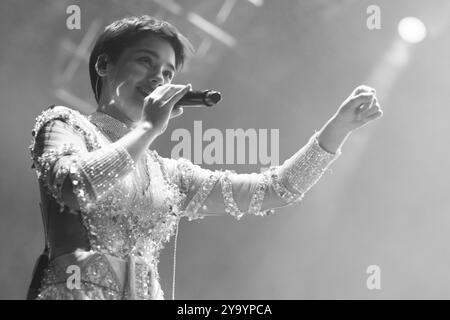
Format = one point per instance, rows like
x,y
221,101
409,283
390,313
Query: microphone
x,y
206,98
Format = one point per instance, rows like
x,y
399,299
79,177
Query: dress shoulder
x,y
56,112
78,122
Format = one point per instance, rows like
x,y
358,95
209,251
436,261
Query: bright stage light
x,y
412,30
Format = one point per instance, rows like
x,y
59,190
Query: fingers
x,y
372,113
176,112
176,93
374,116
362,99
370,108
159,93
362,89
164,94
362,109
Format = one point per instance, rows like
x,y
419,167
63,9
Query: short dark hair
x,y
125,32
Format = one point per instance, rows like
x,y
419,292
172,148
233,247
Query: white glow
x,y
412,30
257,3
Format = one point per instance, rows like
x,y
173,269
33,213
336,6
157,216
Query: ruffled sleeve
x,y
214,192
65,147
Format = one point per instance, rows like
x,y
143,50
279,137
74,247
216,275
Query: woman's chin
x,y
134,109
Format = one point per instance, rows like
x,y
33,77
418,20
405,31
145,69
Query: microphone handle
x,y
199,99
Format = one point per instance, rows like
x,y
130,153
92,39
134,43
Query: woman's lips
x,y
142,91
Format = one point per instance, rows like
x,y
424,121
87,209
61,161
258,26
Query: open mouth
x,y
144,92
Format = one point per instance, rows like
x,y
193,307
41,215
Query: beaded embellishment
x,y
131,209
304,168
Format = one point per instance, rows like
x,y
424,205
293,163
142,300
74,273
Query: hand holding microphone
x,y
167,102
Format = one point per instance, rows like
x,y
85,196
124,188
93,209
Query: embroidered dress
x,y
128,210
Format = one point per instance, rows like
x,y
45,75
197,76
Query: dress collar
x,y
113,128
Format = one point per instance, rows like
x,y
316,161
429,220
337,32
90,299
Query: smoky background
x,y
283,65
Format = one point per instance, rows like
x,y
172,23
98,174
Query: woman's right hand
x,y
159,105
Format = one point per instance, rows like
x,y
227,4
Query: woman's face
x,y
142,67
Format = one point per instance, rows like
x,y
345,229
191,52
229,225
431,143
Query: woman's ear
x,y
101,65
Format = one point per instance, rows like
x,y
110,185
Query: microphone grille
x,y
214,96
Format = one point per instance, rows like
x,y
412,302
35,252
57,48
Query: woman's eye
x,y
146,60
168,74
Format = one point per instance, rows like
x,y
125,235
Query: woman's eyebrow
x,y
156,55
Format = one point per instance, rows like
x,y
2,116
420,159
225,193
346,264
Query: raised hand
x,y
159,105
360,108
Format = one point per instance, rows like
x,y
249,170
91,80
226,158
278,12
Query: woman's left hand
x,y
360,108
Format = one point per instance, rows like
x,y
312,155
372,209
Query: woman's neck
x,y
113,111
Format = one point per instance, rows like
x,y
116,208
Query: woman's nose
x,y
157,78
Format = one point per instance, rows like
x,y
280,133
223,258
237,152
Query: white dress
x,y
129,210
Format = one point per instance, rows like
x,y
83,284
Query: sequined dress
x,y
109,247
